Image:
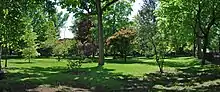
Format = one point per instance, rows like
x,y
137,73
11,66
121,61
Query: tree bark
x,y
157,57
194,42
125,56
101,44
6,55
29,58
194,47
205,44
114,56
199,31
59,58
199,45
0,57
219,43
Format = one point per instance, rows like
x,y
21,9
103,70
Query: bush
x,y
74,65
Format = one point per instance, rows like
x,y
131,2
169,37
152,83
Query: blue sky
x,y
65,33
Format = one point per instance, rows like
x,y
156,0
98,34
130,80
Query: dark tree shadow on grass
x,y
188,79
93,79
100,79
23,62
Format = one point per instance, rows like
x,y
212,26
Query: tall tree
x,y
121,41
147,30
12,24
91,7
201,15
29,38
116,18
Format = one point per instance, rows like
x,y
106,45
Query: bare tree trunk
x,y
219,43
158,62
59,58
194,42
204,49
199,44
194,47
157,57
0,57
125,56
29,58
199,33
6,54
114,56
101,44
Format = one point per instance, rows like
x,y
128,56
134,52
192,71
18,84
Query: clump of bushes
x,y
74,65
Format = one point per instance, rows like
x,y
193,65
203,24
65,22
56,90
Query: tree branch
x,y
199,18
210,24
108,4
199,36
213,18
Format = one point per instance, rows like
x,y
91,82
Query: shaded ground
x,y
59,79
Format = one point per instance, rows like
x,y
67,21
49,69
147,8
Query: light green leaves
x,y
5,11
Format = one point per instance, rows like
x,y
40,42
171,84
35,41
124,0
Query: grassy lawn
x,y
137,74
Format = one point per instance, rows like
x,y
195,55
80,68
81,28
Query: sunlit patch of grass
x,y
113,75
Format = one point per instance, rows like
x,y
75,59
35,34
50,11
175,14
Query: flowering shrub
x,y
121,41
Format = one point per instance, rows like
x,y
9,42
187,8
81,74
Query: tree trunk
x,y
125,56
161,69
29,60
219,43
6,55
198,30
101,44
157,58
205,44
59,58
199,52
194,42
114,56
194,47
0,57
93,54
158,63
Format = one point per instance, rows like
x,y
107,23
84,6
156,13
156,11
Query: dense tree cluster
x,y
192,22
162,28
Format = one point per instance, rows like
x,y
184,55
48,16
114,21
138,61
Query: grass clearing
x,y
137,74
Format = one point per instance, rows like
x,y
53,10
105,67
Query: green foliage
x,y
188,21
50,35
29,38
85,8
149,35
121,41
61,19
62,47
74,65
116,17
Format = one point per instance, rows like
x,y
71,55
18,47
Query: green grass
x,y
135,66
137,74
